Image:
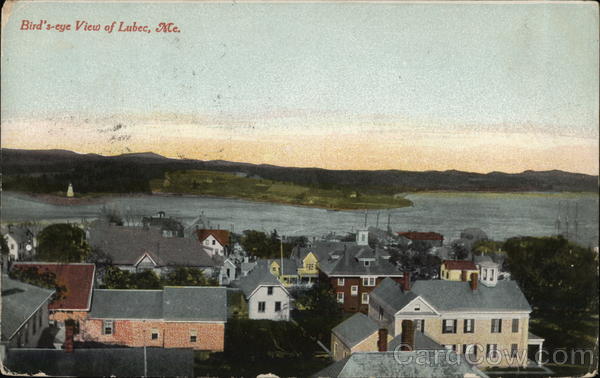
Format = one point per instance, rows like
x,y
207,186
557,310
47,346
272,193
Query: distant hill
x,y
51,170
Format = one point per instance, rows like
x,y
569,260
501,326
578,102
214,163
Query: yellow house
x,y
309,271
452,270
286,270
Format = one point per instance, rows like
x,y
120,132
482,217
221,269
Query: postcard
x,y
299,188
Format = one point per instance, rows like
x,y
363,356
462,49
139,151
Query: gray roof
x,y
126,245
455,295
422,342
19,302
389,292
290,267
349,264
322,249
355,329
400,364
120,362
20,233
260,275
171,303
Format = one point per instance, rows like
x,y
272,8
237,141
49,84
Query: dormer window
x,y
367,263
417,308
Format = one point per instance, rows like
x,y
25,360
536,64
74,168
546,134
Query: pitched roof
x,y
19,302
414,235
454,295
78,280
171,303
422,342
102,362
401,364
126,245
459,265
390,293
355,329
290,267
222,236
349,263
260,275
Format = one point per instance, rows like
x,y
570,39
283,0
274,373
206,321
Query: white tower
x,y
70,193
488,273
362,237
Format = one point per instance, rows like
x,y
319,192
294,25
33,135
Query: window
x,y
270,290
354,290
469,326
340,297
154,334
367,263
40,319
334,348
368,281
514,350
420,325
34,324
214,242
470,349
277,306
310,266
417,308
364,298
193,336
261,306
491,350
449,326
341,282
380,313
496,325
515,325
484,274
107,327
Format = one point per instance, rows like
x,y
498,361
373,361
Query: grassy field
x,y
255,189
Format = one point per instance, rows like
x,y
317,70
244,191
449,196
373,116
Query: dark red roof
x,y
459,265
222,236
413,235
78,279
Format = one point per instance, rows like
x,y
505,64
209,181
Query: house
x,y
286,270
354,273
228,272
266,296
174,317
77,279
102,362
24,313
21,241
481,320
413,364
137,249
428,239
168,227
457,270
216,242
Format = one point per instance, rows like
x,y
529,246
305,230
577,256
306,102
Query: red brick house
x,y
355,273
78,282
175,317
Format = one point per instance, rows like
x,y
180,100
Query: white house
x,y
215,242
228,272
21,242
267,298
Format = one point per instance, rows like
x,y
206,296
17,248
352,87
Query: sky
x,y
411,86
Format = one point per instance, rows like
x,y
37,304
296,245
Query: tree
x,y
3,246
62,242
33,276
554,274
321,311
259,244
183,276
459,251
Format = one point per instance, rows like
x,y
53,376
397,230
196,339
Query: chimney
x,y
463,276
406,282
382,340
68,345
473,281
408,336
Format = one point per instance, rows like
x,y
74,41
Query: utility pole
x,y
366,218
377,222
